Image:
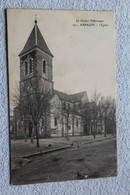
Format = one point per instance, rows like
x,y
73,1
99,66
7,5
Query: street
x,y
92,160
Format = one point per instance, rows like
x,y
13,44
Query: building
x,y
64,117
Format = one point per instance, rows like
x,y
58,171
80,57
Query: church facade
x,y
64,116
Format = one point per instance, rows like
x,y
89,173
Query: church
x,y
36,60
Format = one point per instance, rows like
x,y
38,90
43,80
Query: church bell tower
x,y
36,60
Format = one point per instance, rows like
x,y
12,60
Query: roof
x,y
89,105
36,40
78,96
70,98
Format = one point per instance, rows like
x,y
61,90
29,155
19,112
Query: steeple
x,y
36,60
35,40
35,19
35,30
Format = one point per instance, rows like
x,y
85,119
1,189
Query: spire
x,y
35,19
35,29
35,40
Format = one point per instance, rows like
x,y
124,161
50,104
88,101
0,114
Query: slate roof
x,y
32,43
70,98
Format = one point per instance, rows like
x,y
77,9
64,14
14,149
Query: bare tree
x,y
113,118
33,102
95,110
66,109
107,112
100,112
87,117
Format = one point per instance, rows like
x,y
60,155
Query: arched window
x,y
44,67
55,121
30,66
26,68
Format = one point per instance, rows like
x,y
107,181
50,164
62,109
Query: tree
x,y
100,112
87,117
33,101
107,113
96,97
113,118
66,112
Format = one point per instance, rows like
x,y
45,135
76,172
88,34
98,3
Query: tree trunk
x,y
45,126
65,132
62,125
101,125
32,137
113,129
67,128
67,138
37,135
105,132
15,131
94,130
25,135
73,126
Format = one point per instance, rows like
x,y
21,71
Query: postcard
x,y
62,96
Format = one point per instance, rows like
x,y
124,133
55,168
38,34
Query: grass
x,y
95,160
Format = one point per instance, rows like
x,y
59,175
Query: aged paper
x,y
61,94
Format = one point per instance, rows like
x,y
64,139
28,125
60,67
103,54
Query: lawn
x,y
92,160
20,148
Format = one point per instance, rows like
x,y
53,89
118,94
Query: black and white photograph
x,y
62,95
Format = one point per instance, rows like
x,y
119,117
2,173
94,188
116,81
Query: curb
x,y
62,148
46,152
98,140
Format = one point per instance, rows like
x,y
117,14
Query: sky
x,y
83,49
